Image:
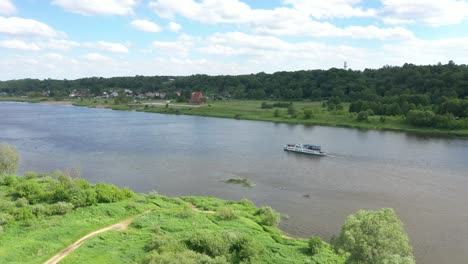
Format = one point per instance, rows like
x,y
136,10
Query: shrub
x,y
420,118
109,193
237,116
315,243
8,180
209,243
362,116
186,212
268,216
308,114
22,202
276,113
375,237
245,250
227,213
291,110
383,119
5,218
60,208
9,159
30,175
23,213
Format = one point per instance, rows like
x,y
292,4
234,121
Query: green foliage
x,y
268,216
9,159
308,114
291,110
60,208
276,113
315,243
209,243
420,118
227,213
362,116
375,237
109,193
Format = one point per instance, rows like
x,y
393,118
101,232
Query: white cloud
x,y
331,8
7,7
174,27
432,12
96,57
107,46
145,25
280,21
19,45
26,27
98,7
178,48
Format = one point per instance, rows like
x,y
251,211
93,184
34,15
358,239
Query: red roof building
x,y
197,98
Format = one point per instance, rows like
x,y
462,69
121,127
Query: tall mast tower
x,y
346,65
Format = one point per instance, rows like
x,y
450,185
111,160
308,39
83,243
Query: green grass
x,y
251,110
173,223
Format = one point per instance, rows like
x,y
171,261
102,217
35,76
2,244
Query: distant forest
x,y
428,91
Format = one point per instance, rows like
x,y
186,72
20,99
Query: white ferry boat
x,y
305,149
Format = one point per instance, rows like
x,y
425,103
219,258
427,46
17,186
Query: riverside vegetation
x,y
51,211
427,98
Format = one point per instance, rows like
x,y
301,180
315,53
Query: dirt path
x,y
119,226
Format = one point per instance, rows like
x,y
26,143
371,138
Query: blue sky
x,y
82,38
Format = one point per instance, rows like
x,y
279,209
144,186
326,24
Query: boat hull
x,y
312,153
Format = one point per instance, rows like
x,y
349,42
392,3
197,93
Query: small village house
x,y
197,98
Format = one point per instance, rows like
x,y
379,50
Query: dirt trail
x,y
119,226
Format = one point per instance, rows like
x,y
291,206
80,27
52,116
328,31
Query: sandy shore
x,y
57,102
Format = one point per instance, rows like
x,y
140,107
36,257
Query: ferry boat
x,y
305,149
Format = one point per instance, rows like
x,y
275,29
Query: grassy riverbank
x,y
251,110
195,229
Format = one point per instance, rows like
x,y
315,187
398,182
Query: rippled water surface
x,y
424,178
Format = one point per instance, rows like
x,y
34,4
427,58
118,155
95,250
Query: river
x,y
424,178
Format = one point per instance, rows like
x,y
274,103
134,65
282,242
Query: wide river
x,y
424,178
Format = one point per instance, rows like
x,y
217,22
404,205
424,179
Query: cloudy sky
x,y
81,38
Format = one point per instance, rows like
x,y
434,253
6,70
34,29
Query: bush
x,y
30,190
420,118
60,208
244,249
209,243
375,237
109,193
5,218
291,110
276,113
268,216
9,159
308,114
8,180
362,116
227,213
315,243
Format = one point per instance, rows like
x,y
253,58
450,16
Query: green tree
x,y
375,237
9,159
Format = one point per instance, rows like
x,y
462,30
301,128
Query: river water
x,y
424,178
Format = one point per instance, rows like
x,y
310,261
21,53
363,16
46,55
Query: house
x,y
197,98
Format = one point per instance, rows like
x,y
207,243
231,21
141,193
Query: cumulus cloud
x,y
280,21
100,7
174,27
331,8
26,27
94,56
19,45
432,12
7,7
178,48
145,25
107,46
